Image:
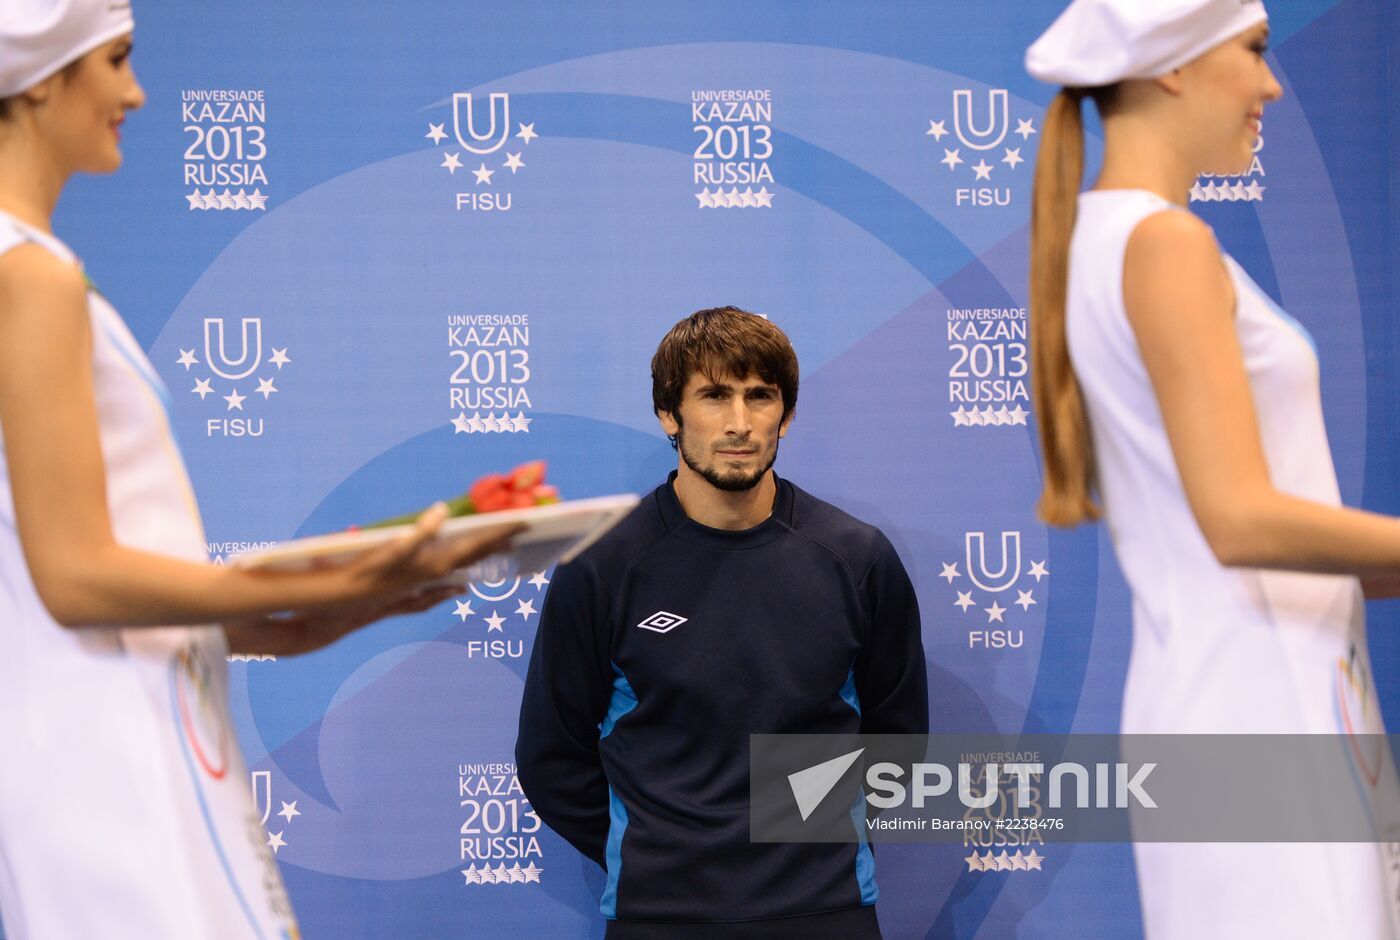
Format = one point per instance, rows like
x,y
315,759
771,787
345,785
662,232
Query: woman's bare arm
x,y
1180,303
57,478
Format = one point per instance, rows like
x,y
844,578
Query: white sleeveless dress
x,y
125,806
1216,649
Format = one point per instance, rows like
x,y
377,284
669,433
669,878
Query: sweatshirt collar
x,y
681,525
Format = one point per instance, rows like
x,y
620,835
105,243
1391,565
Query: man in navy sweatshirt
x,y
730,602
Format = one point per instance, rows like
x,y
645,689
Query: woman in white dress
x,y
125,807
1172,392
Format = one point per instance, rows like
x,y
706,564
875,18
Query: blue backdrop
x,y
377,251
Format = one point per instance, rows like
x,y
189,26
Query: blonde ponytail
x,y
1065,442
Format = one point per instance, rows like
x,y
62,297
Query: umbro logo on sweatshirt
x,y
662,622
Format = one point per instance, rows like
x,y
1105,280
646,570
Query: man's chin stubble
x,y
729,483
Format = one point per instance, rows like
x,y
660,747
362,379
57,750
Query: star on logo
x,y
1038,571
764,198
539,580
531,873
240,200
964,601
995,613
289,810
187,359
983,169
527,133
279,357
491,423
265,388
525,609
478,425
471,874
464,610
936,130
487,876
1024,600
950,572
451,163
275,841
256,200
1013,157
704,198
989,862
234,400
483,175
974,862
226,200
1033,860
1018,414
494,622
435,133
951,158
1018,863
462,424
1255,191
202,388
522,423
959,417
1024,128
513,163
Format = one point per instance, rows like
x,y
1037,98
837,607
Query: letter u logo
x,y
249,356
1005,575
998,121
496,131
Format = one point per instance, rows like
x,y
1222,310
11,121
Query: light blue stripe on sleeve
x,y
617,828
865,859
623,701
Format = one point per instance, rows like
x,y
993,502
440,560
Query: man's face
x,y
727,431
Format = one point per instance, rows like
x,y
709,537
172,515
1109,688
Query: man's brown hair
x,y
717,342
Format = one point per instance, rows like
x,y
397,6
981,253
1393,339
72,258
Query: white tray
x,y
553,534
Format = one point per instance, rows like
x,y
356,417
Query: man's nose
x,y
739,421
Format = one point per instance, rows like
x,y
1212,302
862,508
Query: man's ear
x,y
669,424
787,423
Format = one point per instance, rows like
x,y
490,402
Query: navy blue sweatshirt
x,y
661,649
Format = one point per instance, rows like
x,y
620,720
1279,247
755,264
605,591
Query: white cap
x,y
39,37
1099,42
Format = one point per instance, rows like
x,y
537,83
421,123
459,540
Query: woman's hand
x,y
420,557
306,631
